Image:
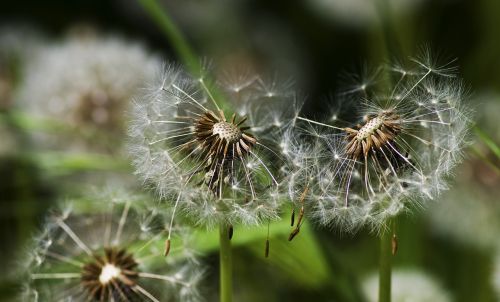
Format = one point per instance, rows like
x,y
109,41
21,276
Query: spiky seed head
x,y
222,142
407,140
218,169
374,134
110,249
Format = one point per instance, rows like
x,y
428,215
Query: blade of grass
x,y
174,35
488,141
186,54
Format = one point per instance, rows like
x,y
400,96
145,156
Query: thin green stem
x,y
165,23
187,55
485,159
226,265
488,141
385,265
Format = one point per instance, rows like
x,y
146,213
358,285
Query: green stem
x,y
226,265
182,48
490,143
385,266
187,55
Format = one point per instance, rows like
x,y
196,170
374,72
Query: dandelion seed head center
x,y
370,127
374,134
227,131
102,275
224,142
108,272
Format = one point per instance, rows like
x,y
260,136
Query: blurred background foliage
x,y
318,43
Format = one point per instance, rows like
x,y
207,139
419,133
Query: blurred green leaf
x,y
488,141
492,146
63,163
29,122
302,258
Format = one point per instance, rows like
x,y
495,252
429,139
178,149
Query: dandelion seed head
x,y
394,158
218,156
85,83
101,252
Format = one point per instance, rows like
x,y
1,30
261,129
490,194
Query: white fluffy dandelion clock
x,y
218,158
396,154
87,254
84,85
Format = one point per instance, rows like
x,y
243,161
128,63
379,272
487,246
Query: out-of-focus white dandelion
x,y
408,285
469,213
18,43
393,156
105,250
218,159
361,12
85,83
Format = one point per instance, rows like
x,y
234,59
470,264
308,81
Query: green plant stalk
x,y
182,48
226,265
488,141
187,55
385,266
485,159
192,63
389,45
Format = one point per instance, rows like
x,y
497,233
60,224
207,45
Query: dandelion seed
x,y
85,256
221,165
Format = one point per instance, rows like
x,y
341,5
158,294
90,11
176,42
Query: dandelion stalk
x,y
192,63
488,141
163,20
390,45
187,55
226,264
385,266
